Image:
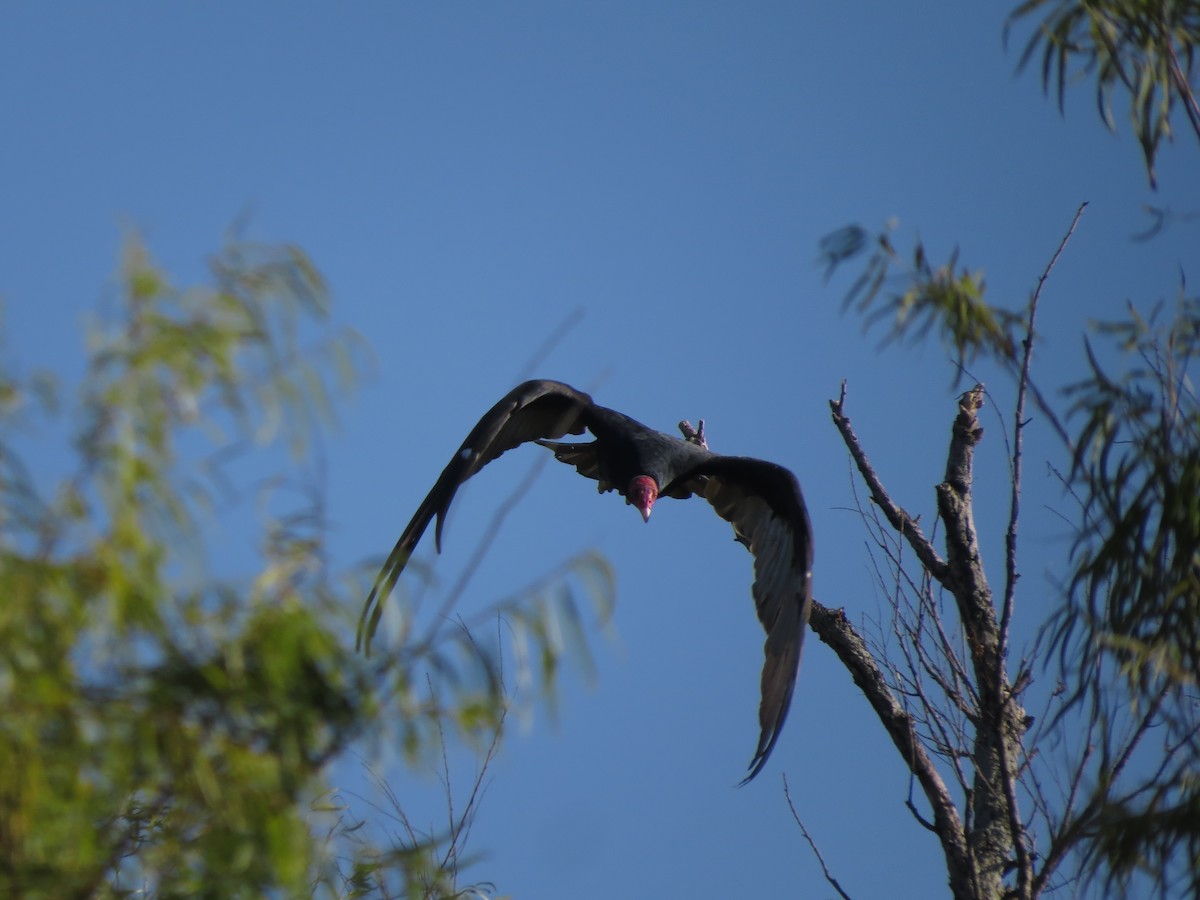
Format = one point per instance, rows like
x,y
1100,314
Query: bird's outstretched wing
x,y
535,409
764,503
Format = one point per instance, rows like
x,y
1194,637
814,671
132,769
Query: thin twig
x,y
817,853
1016,829
834,630
1023,382
899,519
481,549
439,632
552,341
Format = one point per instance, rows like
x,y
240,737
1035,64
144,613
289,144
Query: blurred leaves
x,y
161,730
547,621
1128,637
166,716
1137,465
919,297
1146,47
544,623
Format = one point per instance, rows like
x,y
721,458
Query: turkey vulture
x,y
761,500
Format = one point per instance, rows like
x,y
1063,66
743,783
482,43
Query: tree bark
x,y
999,728
835,630
980,841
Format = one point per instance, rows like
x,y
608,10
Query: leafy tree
x,y
170,721
1145,47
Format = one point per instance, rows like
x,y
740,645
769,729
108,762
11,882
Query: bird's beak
x,y
641,495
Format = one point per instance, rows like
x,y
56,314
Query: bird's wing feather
x,y
584,457
766,508
535,409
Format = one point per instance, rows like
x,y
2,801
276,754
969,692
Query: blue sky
x,y
468,175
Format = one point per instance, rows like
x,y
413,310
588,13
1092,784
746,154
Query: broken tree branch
x,y
899,519
835,630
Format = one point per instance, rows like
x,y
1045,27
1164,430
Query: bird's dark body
x,y
761,500
625,448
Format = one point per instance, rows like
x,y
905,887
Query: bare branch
x,y
553,339
999,733
833,882
899,519
966,578
1024,863
481,550
833,628
1019,423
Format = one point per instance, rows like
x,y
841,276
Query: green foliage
x,y
155,739
544,622
167,725
920,297
1147,47
1133,607
1137,464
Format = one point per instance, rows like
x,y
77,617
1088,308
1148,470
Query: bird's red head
x,y
642,492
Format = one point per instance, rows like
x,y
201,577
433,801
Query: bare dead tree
x,y
949,700
946,698
1023,804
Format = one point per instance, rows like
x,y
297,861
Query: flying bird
x,y
761,499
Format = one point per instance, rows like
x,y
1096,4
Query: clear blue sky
x,y
467,175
